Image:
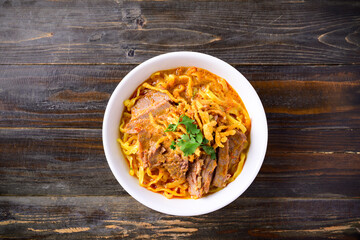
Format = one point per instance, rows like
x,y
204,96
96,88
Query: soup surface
x,y
185,133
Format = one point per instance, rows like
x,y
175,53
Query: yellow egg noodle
x,y
212,100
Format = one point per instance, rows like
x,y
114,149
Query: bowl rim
x,y
106,122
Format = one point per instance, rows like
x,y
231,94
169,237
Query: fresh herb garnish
x,y
209,150
173,145
188,143
171,127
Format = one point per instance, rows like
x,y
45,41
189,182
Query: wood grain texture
x,y
240,32
71,162
60,60
123,217
72,96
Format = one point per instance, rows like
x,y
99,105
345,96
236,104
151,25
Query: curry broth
x,y
211,103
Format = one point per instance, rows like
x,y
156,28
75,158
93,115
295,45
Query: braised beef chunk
x,y
177,167
207,173
221,173
228,157
150,154
143,146
194,178
156,155
152,102
200,175
153,155
237,143
155,103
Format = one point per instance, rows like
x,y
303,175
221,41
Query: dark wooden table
x,y
61,59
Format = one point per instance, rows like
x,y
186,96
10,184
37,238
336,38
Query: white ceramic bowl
x,y
185,207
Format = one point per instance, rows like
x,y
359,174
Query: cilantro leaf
x,y
210,151
189,146
171,127
191,128
173,145
199,138
184,138
186,120
188,143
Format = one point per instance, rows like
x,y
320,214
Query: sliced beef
x,y
207,173
144,145
152,102
221,173
155,103
155,109
136,125
150,154
200,175
177,167
228,157
194,178
156,155
237,143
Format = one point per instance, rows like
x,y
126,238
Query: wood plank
x,y
71,162
57,96
304,97
240,32
119,217
315,175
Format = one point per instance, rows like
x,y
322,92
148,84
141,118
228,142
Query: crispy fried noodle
x,y
185,133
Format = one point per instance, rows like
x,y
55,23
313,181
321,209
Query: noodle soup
x,y
185,133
